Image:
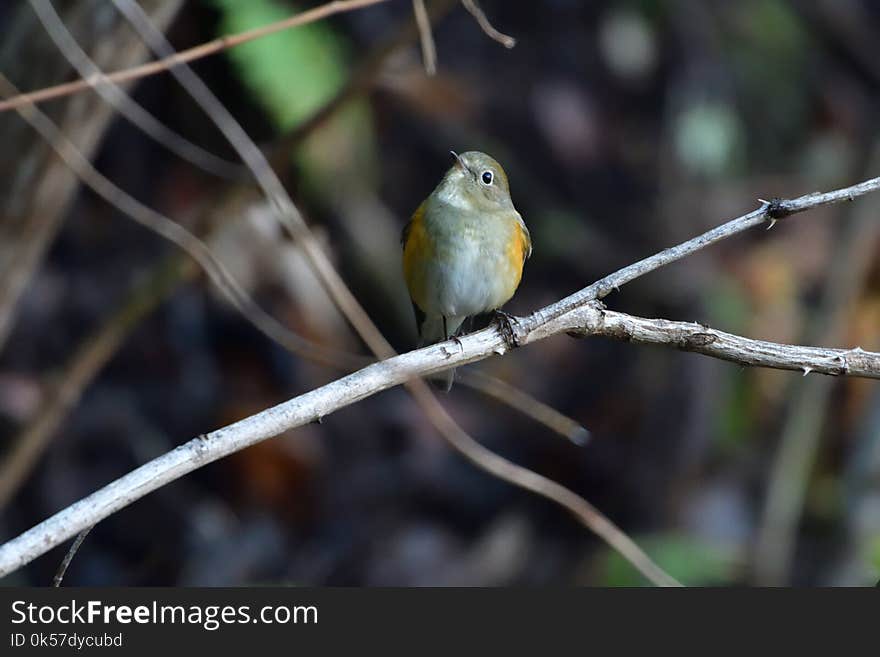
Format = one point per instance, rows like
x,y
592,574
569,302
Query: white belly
x,y
469,271
472,278
471,284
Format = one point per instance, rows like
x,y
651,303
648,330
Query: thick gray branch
x,y
310,407
769,212
579,313
700,339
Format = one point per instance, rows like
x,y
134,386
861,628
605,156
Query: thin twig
x,y
429,50
124,104
33,226
369,68
584,512
285,210
210,48
71,553
170,230
525,403
487,27
308,408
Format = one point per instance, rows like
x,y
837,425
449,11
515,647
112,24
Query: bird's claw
x,y
458,342
505,322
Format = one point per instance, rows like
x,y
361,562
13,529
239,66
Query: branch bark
x,y
687,336
203,50
579,313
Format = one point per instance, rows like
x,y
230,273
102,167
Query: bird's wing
x,y
526,236
404,238
416,216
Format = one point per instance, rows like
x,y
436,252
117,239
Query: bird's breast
x,y
472,263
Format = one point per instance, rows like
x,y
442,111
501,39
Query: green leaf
x,y
874,551
709,138
691,561
292,74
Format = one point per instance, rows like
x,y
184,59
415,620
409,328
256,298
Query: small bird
x,y
463,249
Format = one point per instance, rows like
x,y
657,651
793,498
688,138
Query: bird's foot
x,y
457,341
505,323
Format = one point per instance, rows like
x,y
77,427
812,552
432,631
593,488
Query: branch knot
x,y
777,209
697,340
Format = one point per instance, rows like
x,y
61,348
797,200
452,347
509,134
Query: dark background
x,y
625,127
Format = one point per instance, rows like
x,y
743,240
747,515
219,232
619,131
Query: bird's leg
x,y
454,338
505,322
465,328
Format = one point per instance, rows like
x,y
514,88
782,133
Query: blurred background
x,y
625,127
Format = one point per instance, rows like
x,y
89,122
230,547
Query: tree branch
x,y
486,26
203,50
770,211
688,336
429,50
71,553
36,189
132,110
585,317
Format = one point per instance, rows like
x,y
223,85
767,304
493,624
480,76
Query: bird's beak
x,y
458,160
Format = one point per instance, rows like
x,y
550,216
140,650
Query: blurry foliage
x,y
629,44
691,561
292,74
727,305
709,139
874,551
767,46
736,419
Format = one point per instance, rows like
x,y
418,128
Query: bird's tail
x,y
444,380
435,329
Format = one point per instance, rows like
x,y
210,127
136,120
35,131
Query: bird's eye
x,y
487,177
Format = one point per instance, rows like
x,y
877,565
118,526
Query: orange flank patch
x,y
419,252
417,249
517,252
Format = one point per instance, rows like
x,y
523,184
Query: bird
x,y
464,249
